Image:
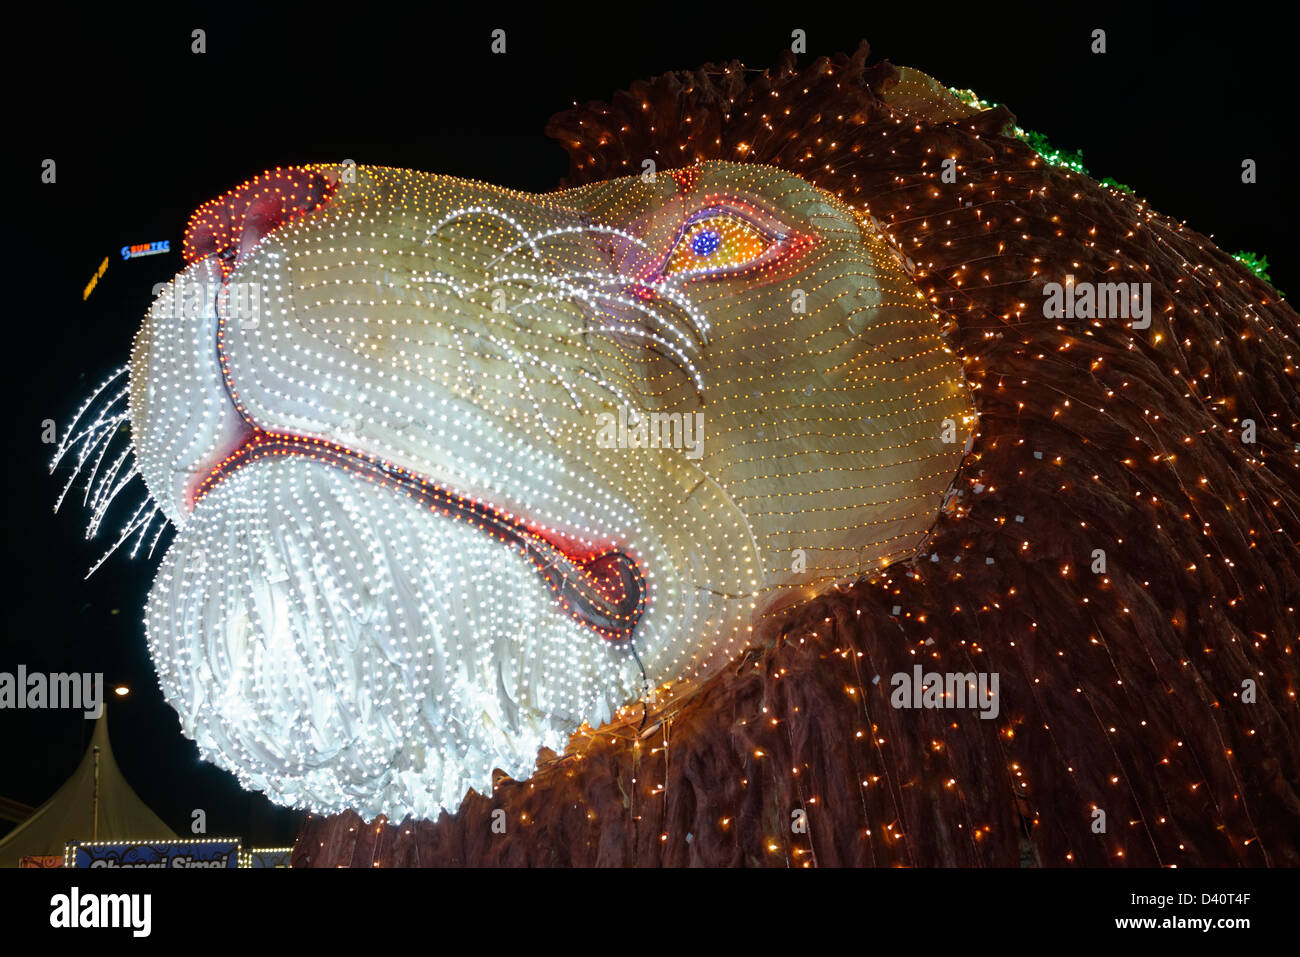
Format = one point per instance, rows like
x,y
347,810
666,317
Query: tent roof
x,y
67,815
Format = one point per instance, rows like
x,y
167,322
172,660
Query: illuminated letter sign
x,y
146,249
215,853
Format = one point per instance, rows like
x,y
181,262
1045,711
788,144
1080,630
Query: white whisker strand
x,y
96,488
100,431
67,487
91,435
97,517
159,534
129,528
488,210
139,538
98,443
589,296
102,443
439,279
96,430
608,387
564,230
665,325
666,288
117,374
683,363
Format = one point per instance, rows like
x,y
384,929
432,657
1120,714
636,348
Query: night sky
x,y
143,131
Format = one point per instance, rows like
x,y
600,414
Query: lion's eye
x,y
717,241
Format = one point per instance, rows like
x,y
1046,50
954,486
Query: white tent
x,y
95,803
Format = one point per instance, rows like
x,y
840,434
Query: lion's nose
x,y
230,225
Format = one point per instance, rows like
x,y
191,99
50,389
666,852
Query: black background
x,y
143,131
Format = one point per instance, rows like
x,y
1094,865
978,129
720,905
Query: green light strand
x,y
1258,265
1073,160
1070,159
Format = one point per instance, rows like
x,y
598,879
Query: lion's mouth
x,y
602,590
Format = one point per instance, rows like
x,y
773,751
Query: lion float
x,y
674,477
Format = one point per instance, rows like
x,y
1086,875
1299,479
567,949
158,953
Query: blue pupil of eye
x,y
705,242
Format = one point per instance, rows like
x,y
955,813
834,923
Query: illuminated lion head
x,y
455,468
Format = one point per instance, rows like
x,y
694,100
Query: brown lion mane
x,y
1120,691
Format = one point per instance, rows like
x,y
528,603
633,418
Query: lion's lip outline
x,y
603,590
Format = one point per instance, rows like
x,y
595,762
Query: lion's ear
x,y
921,96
